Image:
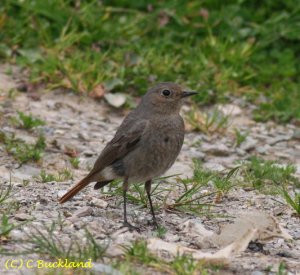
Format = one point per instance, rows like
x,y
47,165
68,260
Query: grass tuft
x,y
240,137
207,123
268,176
195,189
27,121
138,253
74,162
5,193
292,201
22,151
47,241
60,176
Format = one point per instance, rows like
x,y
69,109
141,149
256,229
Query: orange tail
x,y
75,189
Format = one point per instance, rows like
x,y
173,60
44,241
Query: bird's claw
x,y
153,223
130,227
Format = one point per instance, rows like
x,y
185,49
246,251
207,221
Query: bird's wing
x,y
125,140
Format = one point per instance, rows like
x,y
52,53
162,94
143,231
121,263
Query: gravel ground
x,y
85,125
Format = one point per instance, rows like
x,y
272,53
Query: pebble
x,y
98,203
23,217
248,144
83,212
60,193
240,152
17,235
114,251
216,149
230,109
296,134
277,139
89,153
84,136
213,166
262,149
172,238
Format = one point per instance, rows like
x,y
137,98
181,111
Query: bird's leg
x,y
126,223
148,190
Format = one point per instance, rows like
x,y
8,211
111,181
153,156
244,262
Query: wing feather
x,y
125,140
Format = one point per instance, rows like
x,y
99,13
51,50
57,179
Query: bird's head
x,y
166,97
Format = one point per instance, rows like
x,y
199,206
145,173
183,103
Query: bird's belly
x,y
153,158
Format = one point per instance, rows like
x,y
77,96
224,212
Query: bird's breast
x,y
157,150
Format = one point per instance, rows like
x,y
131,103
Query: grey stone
x,y
278,139
296,134
172,238
98,203
17,235
213,166
114,251
23,217
262,149
240,152
248,144
83,212
84,136
230,109
60,193
216,149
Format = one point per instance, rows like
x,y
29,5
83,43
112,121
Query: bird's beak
x,y
188,93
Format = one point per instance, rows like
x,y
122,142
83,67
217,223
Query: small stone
x,y
89,153
114,251
23,217
67,214
277,211
195,227
216,149
17,235
195,153
119,232
248,144
60,193
83,212
171,238
230,109
84,136
240,152
22,87
278,139
125,238
116,100
262,149
98,203
296,134
214,166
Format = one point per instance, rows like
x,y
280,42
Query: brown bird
x,y
144,147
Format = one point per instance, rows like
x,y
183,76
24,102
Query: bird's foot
x,y
154,224
130,226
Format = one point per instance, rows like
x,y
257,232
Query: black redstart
x,y
144,147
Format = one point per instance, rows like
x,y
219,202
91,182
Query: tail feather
x,y
75,189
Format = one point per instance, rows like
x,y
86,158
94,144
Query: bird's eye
x,y
166,92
